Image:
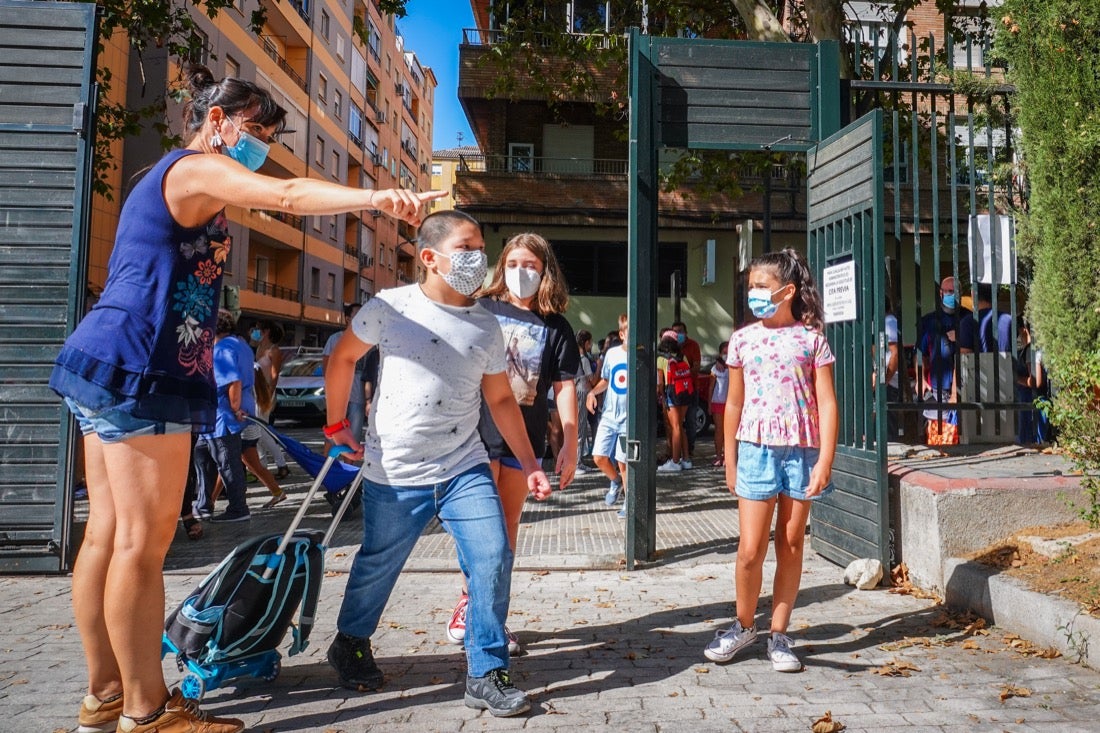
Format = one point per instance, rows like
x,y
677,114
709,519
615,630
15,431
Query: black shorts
x,y
672,399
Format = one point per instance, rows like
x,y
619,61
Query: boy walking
x,y
607,454
441,351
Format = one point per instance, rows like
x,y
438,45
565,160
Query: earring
x,y
216,140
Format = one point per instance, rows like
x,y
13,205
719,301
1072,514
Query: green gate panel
x,y
845,224
46,109
745,95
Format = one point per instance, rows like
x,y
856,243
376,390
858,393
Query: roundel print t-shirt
x,y
614,401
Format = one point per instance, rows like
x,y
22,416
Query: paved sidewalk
x,y
606,649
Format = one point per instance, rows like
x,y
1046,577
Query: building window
x,y
521,157
314,282
322,87
232,68
198,47
337,103
374,40
324,24
335,163
332,227
600,268
316,223
319,152
341,46
330,289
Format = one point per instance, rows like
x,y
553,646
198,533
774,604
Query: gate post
x,y
642,416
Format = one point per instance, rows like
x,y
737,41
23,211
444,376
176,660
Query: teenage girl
x,y
677,390
781,432
528,295
719,388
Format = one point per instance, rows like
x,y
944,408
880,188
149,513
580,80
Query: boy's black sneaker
x,y
351,657
496,693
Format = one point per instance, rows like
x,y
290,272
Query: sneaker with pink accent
x,y
514,647
456,627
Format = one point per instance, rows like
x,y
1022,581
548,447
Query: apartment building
x,y
445,167
360,110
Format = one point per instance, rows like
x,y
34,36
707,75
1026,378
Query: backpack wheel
x,y
273,671
193,687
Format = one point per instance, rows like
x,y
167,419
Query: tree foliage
x,y
1054,60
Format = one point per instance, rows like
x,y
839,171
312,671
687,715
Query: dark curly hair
x,y
234,96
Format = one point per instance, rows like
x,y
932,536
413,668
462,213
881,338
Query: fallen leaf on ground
x,y
1008,691
896,668
702,670
826,724
970,644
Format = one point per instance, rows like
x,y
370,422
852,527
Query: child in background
x,y
607,454
781,433
719,388
676,388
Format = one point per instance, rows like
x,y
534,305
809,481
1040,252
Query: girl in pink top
x,y
781,433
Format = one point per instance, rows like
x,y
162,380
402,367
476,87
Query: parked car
x,y
301,391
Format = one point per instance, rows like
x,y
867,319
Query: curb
x,y
1044,620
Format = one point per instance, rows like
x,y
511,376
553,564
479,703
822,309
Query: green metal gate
x,y
47,95
846,251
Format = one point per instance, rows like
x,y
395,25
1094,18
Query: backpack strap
x,y
308,612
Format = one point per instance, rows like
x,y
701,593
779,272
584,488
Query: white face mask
x,y
468,268
522,282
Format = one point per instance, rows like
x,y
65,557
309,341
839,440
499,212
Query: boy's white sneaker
x,y
779,651
669,466
725,644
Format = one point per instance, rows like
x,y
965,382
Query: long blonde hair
x,y
262,389
553,293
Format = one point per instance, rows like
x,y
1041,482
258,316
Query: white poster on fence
x,y
838,292
983,268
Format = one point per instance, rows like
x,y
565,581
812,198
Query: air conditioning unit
x,y
381,116
423,167
375,157
400,89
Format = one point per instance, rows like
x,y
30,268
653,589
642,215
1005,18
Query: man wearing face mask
x,y
937,344
440,354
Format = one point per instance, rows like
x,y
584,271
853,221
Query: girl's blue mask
x,y
760,302
250,151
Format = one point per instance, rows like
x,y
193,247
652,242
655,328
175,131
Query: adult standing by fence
x,y
139,393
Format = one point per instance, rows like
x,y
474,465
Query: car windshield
x,y
301,368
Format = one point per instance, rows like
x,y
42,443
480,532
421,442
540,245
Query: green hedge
x,y
1053,55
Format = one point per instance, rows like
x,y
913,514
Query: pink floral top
x,y
780,405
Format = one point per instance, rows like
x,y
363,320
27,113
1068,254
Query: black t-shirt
x,y
537,352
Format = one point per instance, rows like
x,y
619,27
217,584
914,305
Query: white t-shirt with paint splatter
x,y
422,428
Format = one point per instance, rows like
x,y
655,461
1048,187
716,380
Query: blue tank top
x,y
148,342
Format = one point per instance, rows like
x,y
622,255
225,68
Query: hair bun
x,y
199,78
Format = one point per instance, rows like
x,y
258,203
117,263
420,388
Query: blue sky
x,y
433,30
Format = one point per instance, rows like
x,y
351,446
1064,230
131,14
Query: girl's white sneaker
x,y
779,651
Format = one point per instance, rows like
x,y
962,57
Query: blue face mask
x,y
681,338
256,334
949,301
760,302
250,151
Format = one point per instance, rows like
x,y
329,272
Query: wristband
x,y
331,430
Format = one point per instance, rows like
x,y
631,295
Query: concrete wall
x,y
939,516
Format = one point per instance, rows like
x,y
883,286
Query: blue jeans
x,y
393,518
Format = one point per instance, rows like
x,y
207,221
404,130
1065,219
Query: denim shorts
x,y
115,423
606,442
766,471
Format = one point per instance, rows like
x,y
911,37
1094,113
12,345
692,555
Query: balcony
x,y
531,166
302,6
494,36
291,220
276,291
272,51
351,249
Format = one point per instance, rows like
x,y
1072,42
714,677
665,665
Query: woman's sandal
x,y
193,527
282,472
278,498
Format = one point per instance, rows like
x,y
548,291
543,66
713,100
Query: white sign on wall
x,y
838,292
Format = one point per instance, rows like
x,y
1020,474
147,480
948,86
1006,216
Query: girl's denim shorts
x,y
115,423
766,471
